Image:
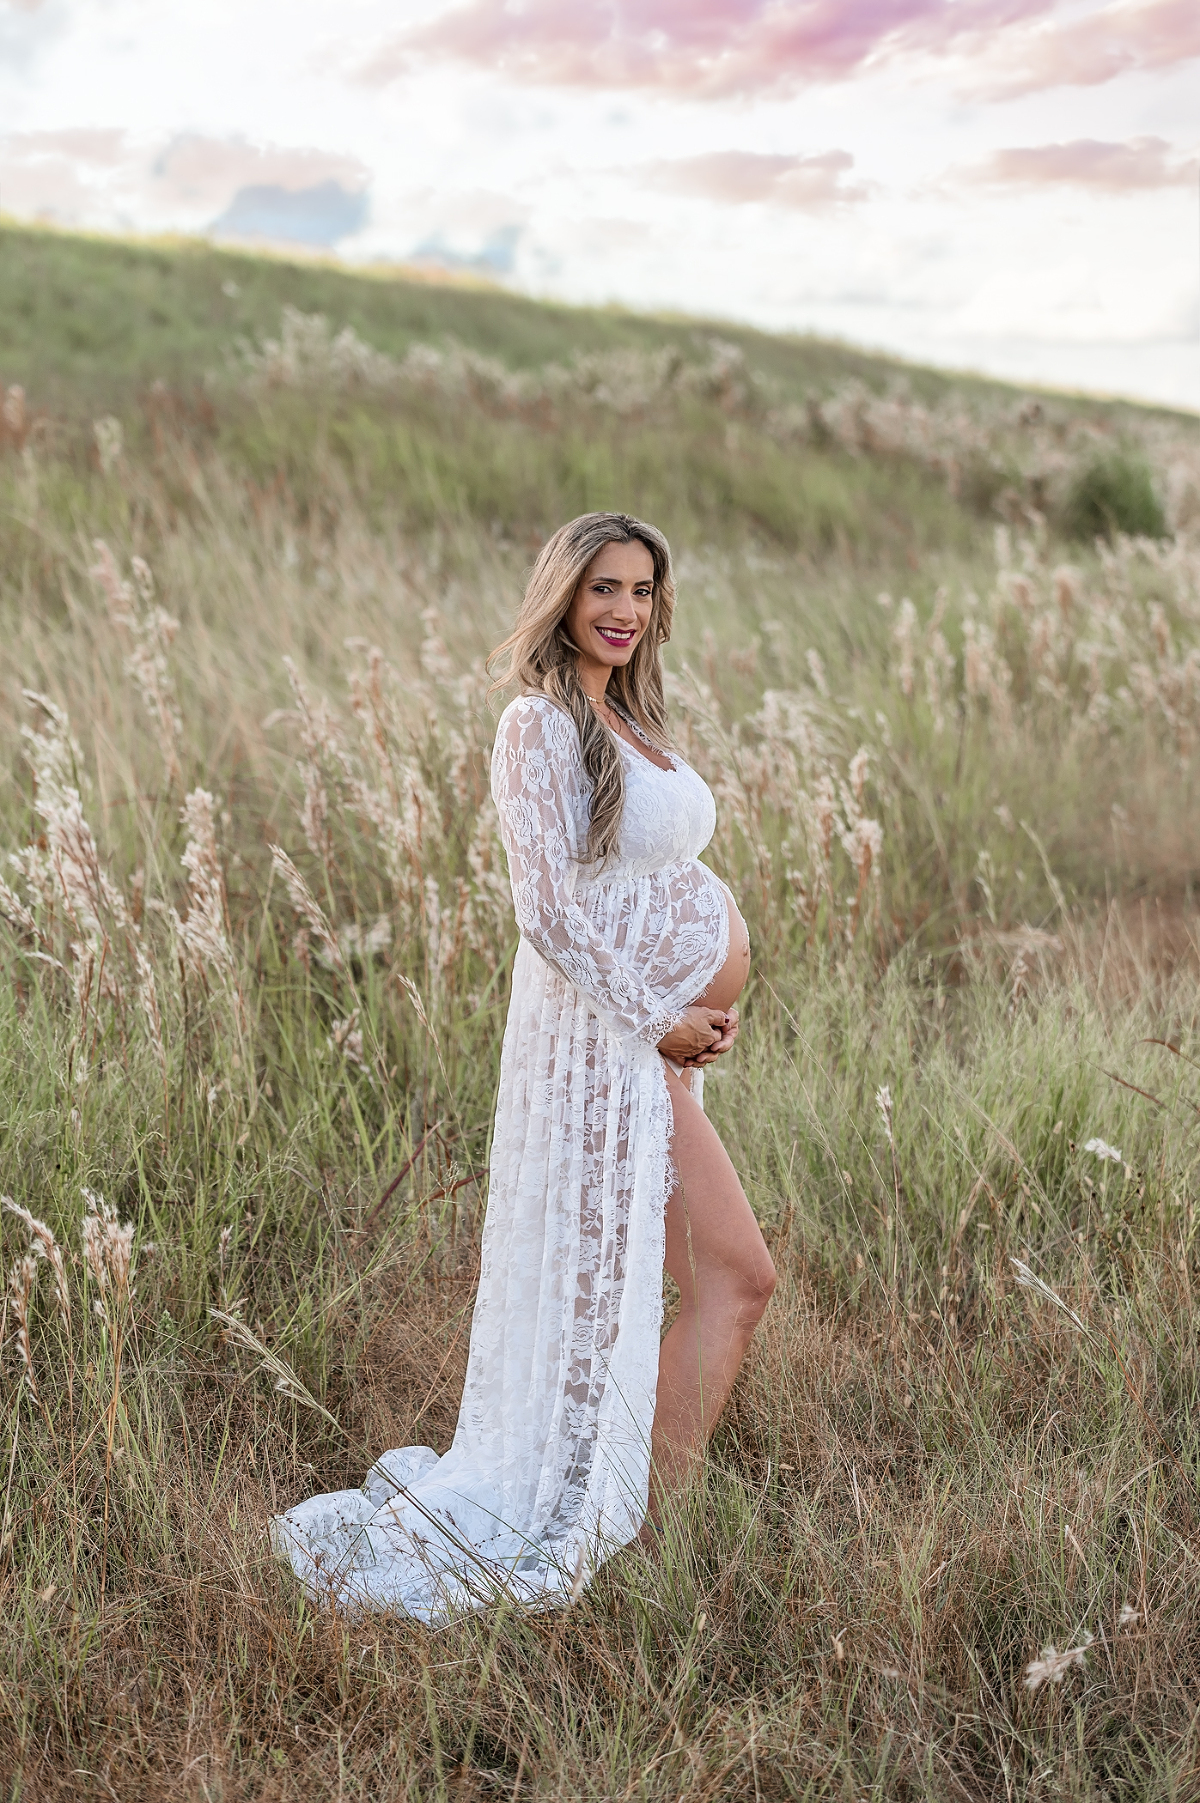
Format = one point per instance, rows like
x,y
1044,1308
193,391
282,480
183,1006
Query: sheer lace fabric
x,y
548,1472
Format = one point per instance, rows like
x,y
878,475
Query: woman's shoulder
x,y
533,722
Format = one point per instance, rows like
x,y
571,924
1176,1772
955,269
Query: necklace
x,y
611,718
623,725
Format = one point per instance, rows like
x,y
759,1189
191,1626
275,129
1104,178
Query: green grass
x,y
927,1473
86,322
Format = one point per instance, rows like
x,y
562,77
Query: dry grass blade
x,y
283,1378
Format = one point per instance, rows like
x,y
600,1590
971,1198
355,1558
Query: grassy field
x,y
938,651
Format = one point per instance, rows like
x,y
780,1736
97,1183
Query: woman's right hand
x,y
700,1030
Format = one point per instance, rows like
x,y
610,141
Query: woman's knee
x,y
758,1280
740,1286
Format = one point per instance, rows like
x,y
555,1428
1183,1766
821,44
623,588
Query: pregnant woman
x,y
577,1421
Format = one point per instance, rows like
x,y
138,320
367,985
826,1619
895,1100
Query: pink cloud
x,y
81,175
207,171
1086,163
60,174
709,48
810,183
100,148
1129,37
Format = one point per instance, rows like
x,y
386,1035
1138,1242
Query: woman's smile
x,y
610,611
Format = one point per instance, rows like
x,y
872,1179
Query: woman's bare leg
x,y
719,1259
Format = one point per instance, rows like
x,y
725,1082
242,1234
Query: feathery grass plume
x,y
119,594
110,442
1051,1667
345,1038
398,803
153,632
17,916
44,1245
309,908
13,411
940,667
864,846
108,1252
1103,1151
365,942
51,750
203,934
21,1278
283,1378
1029,1280
95,905
904,633
324,749
147,995
108,1249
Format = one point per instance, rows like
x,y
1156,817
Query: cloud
x,y
704,47
27,29
210,171
63,175
100,177
1085,163
738,177
323,214
712,48
99,147
1130,37
496,256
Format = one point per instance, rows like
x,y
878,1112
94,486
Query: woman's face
x,y
611,608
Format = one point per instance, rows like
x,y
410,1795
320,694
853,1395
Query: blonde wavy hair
x,y
539,654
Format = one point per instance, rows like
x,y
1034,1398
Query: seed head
x,y
1053,1666
21,1280
43,1244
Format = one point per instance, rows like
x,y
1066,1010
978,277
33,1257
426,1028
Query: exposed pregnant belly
x,y
730,980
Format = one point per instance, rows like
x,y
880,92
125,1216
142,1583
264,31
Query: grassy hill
x,y
473,403
88,322
937,652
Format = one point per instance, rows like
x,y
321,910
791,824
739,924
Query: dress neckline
x,y
672,768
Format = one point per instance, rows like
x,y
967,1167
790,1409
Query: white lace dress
x,y
548,1473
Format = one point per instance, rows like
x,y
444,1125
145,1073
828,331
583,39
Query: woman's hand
x,y
722,1045
700,1036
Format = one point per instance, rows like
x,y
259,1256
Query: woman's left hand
x,y
720,1046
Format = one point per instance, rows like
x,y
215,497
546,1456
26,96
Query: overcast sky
x,y
1006,185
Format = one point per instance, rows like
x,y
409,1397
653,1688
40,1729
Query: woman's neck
x,y
593,680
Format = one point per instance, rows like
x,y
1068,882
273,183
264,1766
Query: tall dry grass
x,y
257,944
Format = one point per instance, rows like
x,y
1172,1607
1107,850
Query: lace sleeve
x,y
538,785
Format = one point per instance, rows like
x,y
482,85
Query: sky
x,y
1010,186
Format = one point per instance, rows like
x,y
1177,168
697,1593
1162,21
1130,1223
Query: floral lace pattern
x,y
548,1473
